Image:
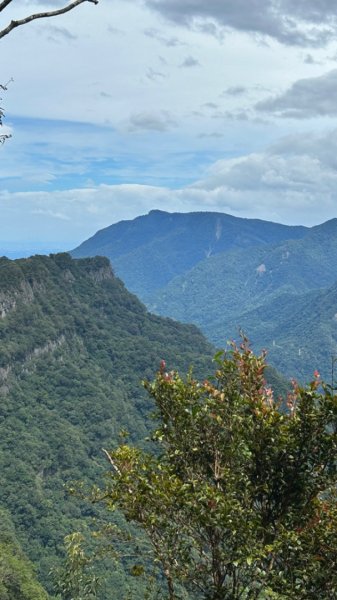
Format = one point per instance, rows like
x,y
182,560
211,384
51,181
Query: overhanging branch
x,y
4,3
42,15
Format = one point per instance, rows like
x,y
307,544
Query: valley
x,y
76,345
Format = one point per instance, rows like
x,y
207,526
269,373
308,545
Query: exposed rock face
x,y
101,274
8,302
24,283
48,346
28,290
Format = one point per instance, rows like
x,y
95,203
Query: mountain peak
x,y
151,250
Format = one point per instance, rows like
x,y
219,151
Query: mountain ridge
x,y
261,269
149,251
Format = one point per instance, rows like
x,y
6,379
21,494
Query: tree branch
x,y
4,3
4,137
115,468
43,15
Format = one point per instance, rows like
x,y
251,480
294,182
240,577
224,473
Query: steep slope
x,y
233,282
300,332
261,291
149,251
74,348
305,336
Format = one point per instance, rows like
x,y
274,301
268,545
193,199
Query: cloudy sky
x,y
181,105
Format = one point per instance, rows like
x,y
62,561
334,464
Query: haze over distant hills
x,y
224,273
21,249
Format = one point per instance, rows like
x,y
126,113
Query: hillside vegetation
x,y
74,348
150,251
277,283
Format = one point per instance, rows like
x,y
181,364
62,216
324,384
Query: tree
x,y
76,580
239,499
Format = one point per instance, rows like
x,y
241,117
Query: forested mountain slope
x,y
149,251
224,273
266,291
304,333
74,348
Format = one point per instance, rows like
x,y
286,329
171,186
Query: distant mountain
x,y
150,251
75,345
266,291
224,273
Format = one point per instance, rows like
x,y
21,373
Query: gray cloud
x,y
291,22
190,61
320,147
236,115
59,34
306,98
152,121
309,60
115,30
235,90
169,42
210,105
154,75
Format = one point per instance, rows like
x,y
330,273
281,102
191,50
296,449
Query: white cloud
x,y
293,182
99,97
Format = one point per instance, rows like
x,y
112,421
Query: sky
x,y
126,106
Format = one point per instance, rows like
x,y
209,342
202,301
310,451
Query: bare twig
x,y
43,15
4,136
111,461
5,86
